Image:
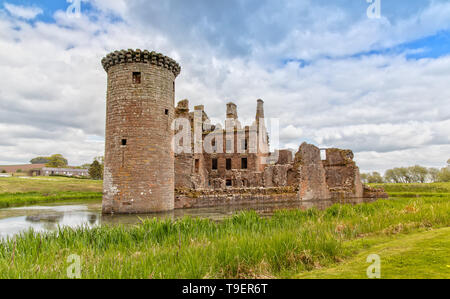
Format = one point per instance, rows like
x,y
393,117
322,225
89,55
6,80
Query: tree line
x,y
54,161
409,175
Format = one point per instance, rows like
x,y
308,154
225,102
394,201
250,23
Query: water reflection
x,y
47,218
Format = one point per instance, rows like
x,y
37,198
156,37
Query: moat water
x,y
48,217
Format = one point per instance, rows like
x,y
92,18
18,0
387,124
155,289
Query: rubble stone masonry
x,y
139,161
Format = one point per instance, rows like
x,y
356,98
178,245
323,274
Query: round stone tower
x,y
139,160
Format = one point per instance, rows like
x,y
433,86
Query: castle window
x,y
197,165
124,142
214,164
229,183
323,154
229,164
167,111
244,163
136,78
173,86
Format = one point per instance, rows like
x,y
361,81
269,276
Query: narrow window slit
x,y
197,165
229,166
136,78
244,163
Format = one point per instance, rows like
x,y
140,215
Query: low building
x,y
42,170
46,171
26,168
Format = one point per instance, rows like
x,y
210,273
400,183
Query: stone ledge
x,y
130,56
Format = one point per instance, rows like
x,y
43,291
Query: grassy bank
x,y
21,191
244,246
420,255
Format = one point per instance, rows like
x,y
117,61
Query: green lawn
x,y
19,191
417,255
48,184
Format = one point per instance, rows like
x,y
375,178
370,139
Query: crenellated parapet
x,y
130,56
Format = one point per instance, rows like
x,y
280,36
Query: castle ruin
x,y
145,172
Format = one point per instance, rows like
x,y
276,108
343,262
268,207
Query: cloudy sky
x,y
332,75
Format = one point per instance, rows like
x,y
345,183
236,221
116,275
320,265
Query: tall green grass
x,y
243,246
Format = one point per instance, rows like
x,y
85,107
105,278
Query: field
x,y
410,234
18,191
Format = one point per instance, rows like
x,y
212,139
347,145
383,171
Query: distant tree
x,y
433,175
372,178
418,174
393,176
100,159
375,178
57,161
365,178
444,175
96,170
3,171
40,160
19,170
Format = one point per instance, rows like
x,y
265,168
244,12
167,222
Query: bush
x,y
444,175
96,170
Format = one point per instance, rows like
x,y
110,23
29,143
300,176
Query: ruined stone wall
x,y
237,174
311,174
139,161
277,175
190,169
184,164
285,157
233,196
342,174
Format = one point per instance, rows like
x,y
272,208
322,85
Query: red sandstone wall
x,y
139,177
211,198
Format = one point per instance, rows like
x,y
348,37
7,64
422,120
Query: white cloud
x,y
390,110
291,133
24,12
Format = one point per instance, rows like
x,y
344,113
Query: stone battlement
x,y
130,56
